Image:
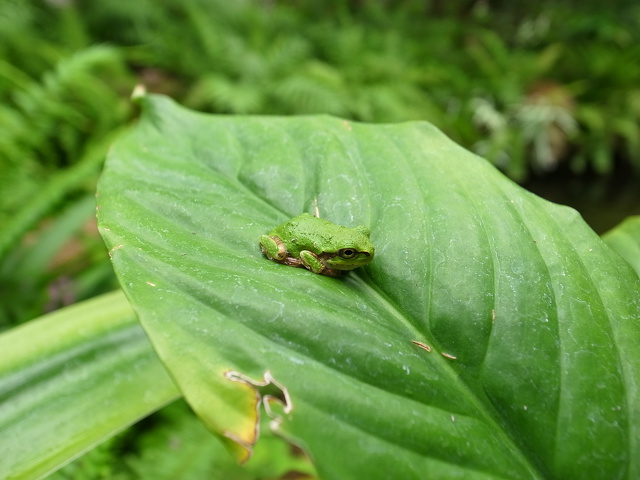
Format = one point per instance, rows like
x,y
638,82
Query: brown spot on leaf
x,y
422,345
266,392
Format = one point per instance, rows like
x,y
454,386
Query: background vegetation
x,y
533,88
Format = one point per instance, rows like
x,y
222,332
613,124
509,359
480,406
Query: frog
x,y
318,245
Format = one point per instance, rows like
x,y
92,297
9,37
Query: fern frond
x,y
47,197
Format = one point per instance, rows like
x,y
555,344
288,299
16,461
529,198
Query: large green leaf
x,y
71,379
531,321
625,239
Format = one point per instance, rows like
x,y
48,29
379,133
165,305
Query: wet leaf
x,y
71,379
532,322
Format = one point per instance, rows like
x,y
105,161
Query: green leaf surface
x,y
532,322
71,379
625,239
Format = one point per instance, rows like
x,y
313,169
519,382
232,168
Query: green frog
x,y
318,245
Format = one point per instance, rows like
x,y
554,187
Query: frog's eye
x,y
347,253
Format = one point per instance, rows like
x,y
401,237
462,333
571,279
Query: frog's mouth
x,y
334,260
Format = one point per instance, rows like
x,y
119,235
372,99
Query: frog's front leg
x,y
311,261
273,247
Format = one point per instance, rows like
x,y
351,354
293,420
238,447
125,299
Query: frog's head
x,y
352,251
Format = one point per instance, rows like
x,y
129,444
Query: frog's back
x,y
306,232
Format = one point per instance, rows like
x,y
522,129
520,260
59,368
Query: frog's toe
x,y
311,261
273,247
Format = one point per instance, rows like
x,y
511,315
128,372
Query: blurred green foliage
x,y
174,444
528,87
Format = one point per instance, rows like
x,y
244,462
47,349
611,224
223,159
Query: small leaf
x,y
532,321
625,239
